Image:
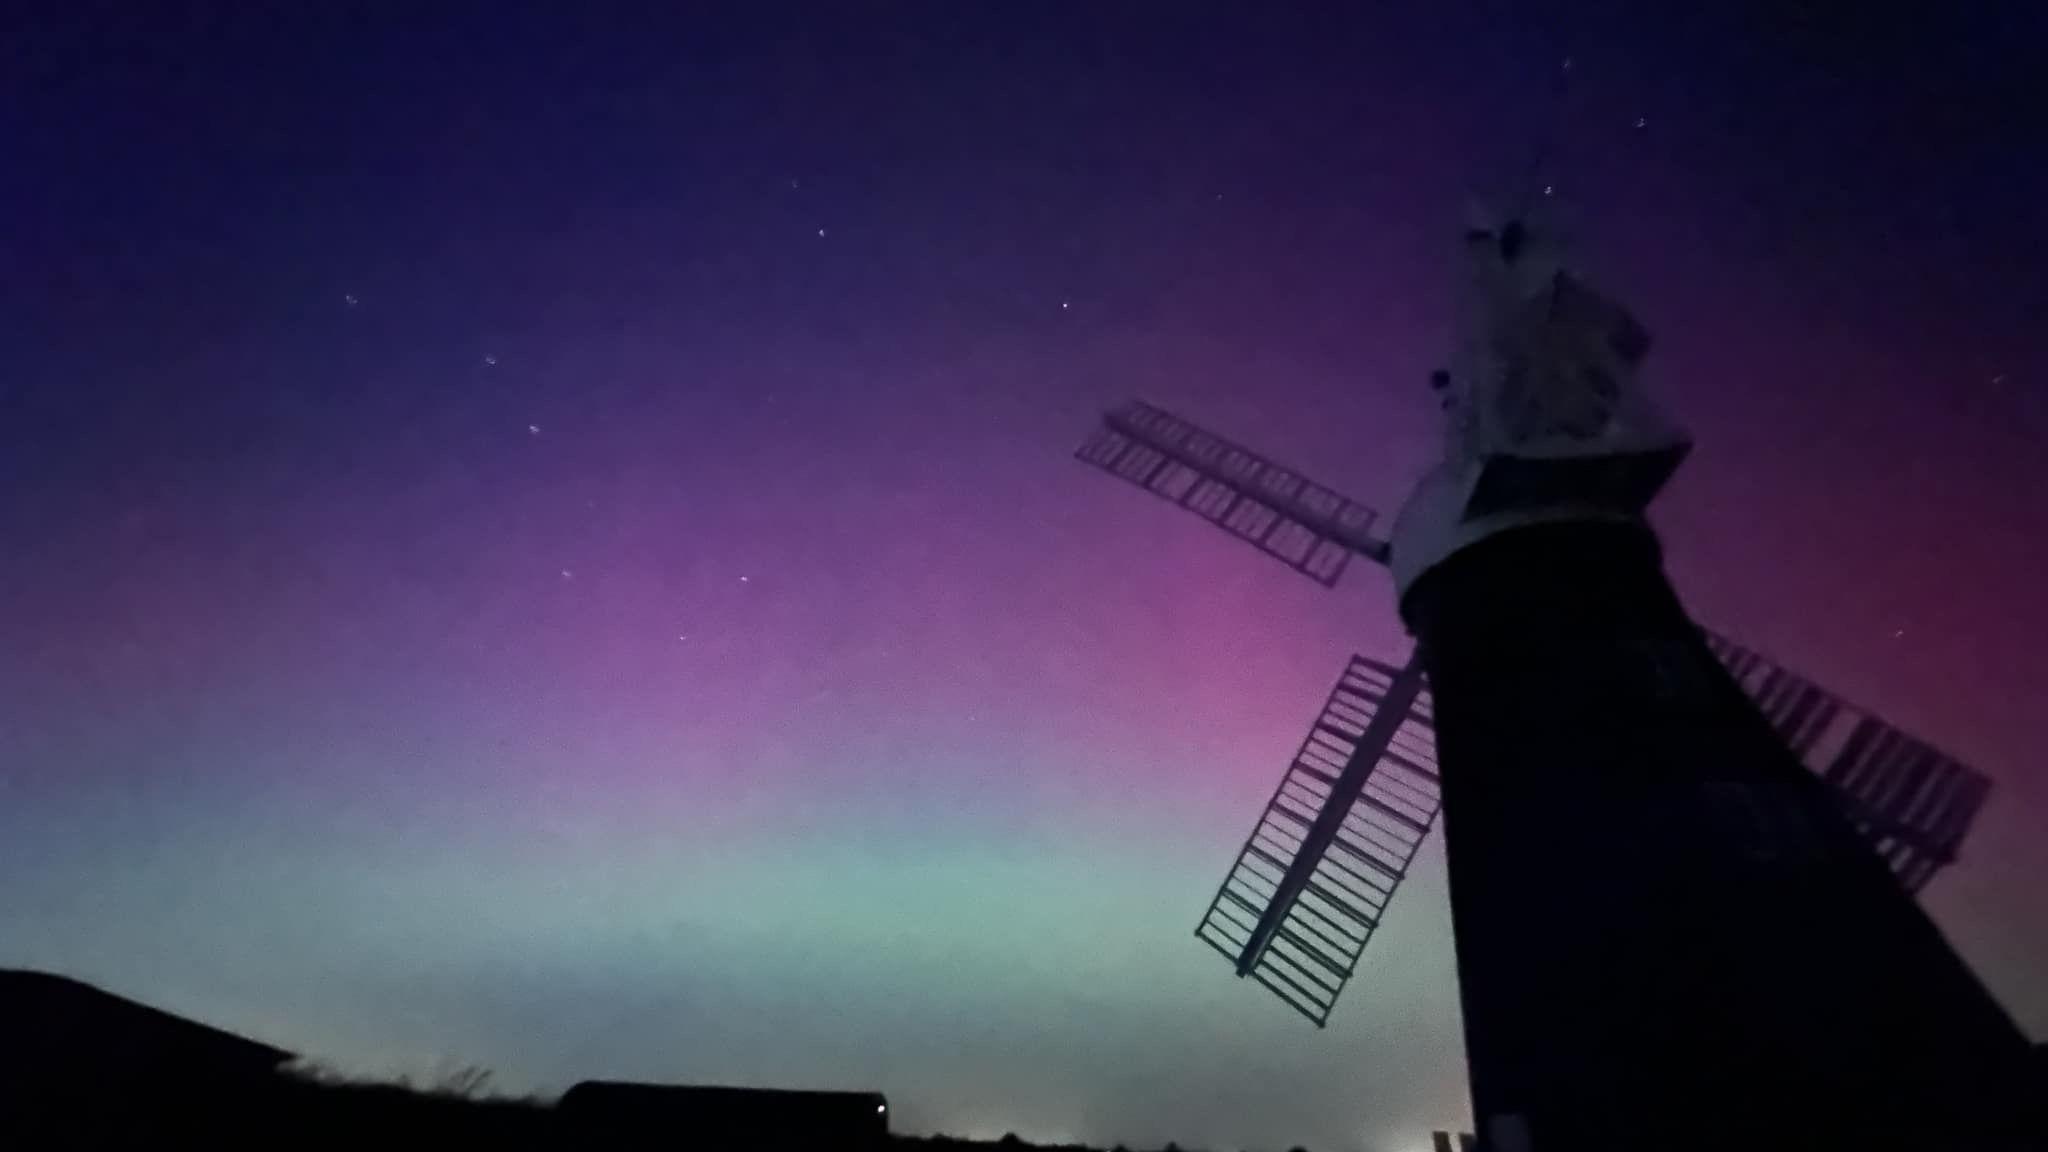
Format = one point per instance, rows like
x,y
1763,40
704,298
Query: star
x,y
792,182
568,575
683,636
1642,121
349,299
821,231
743,579
1998,379
534,430
1549,188
490,361
1899,634
1064,305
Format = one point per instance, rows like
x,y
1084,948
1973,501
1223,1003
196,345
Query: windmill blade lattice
x,y
1307,526
1912,802
1311,883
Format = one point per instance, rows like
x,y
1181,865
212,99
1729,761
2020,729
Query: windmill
x,y
1311,883
1681,874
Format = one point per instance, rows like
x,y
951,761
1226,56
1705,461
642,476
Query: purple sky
x,y
551,540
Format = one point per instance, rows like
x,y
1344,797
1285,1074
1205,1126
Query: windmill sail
x,y
1310,528
1913,803
1312,881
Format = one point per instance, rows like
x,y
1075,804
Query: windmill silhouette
x,y
1681,874
1311,883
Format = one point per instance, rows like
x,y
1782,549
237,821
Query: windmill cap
x,y
1432,525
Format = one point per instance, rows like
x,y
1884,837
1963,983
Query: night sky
x,y
550,540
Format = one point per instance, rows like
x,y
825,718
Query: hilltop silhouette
x,y
83,1067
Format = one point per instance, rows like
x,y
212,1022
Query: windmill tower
x,y
1680,874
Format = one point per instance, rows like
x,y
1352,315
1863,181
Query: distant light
x,y
881,1109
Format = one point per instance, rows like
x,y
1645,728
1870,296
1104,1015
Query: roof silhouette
x,y
60,1027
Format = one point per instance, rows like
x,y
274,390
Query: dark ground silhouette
x,y
81,1067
